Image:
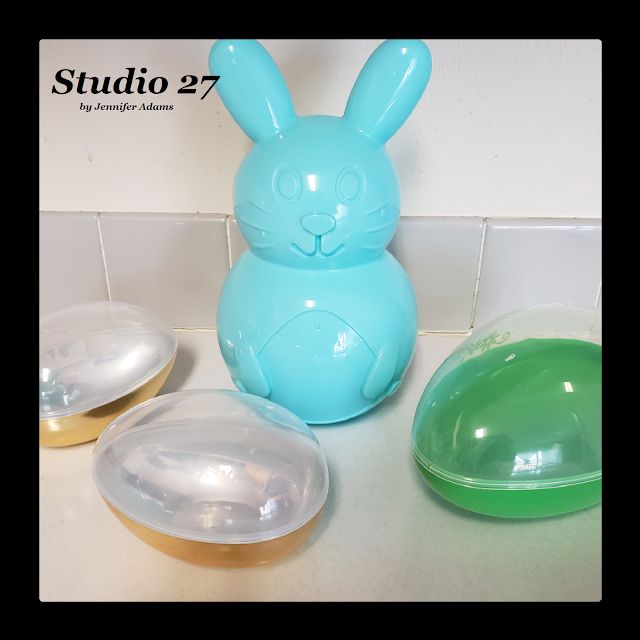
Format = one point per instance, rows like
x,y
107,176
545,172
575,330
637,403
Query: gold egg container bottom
x,y
87,426
215,554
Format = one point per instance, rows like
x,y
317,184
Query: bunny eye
x,y
287,184
350,185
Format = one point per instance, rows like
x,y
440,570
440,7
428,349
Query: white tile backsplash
x,y
71,266
527,262
176,264
173,264
441,257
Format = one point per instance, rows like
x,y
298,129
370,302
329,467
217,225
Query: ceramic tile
x,y
71,266
441,257
237,243
174,264
527,262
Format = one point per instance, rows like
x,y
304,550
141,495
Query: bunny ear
x,y
389,87
251,87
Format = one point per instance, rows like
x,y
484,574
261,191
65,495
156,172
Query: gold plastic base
x,y
219,555
83,427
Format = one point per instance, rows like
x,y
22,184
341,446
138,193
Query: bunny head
x,y
318,191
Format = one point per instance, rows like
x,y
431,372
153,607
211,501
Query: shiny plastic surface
x,y
95,353
65,431
212,466
510,424
318,316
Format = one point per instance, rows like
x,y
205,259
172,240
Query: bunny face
x,y
319,193
318,190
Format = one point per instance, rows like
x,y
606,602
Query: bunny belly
x,y
315,365
328,345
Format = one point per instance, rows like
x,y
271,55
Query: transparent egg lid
x,y
95,353
518,404
213,466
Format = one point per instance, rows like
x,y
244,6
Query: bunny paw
x,y
394,387
381,373
251,377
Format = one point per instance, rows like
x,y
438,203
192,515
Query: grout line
x,y
104,257
423,332
474,306
599,293
434,216
227,224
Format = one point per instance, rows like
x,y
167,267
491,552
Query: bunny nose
x,y
318,223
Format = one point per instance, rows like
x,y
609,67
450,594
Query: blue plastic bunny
x,y
318,316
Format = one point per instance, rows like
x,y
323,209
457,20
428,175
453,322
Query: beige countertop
x,y
384,534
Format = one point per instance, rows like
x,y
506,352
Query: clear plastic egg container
x,y
214,477
96,361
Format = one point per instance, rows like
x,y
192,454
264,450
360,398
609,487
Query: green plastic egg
x,y
510,425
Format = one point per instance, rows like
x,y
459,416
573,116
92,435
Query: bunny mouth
x,y
317,249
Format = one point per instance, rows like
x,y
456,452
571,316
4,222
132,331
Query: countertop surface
x,y
384,535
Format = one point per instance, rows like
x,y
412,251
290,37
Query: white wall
x,y
505,128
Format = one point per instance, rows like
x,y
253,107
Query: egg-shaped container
x,y
510,425
96,361
213,477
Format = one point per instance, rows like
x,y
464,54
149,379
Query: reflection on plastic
x,y
94,353
216,467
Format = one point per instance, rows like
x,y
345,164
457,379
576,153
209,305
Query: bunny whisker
x,y
391,223
260,209
253,225
378,210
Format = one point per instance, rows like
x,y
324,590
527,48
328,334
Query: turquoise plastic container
x,y
317,315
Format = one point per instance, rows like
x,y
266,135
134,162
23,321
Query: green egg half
x,y
511,426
